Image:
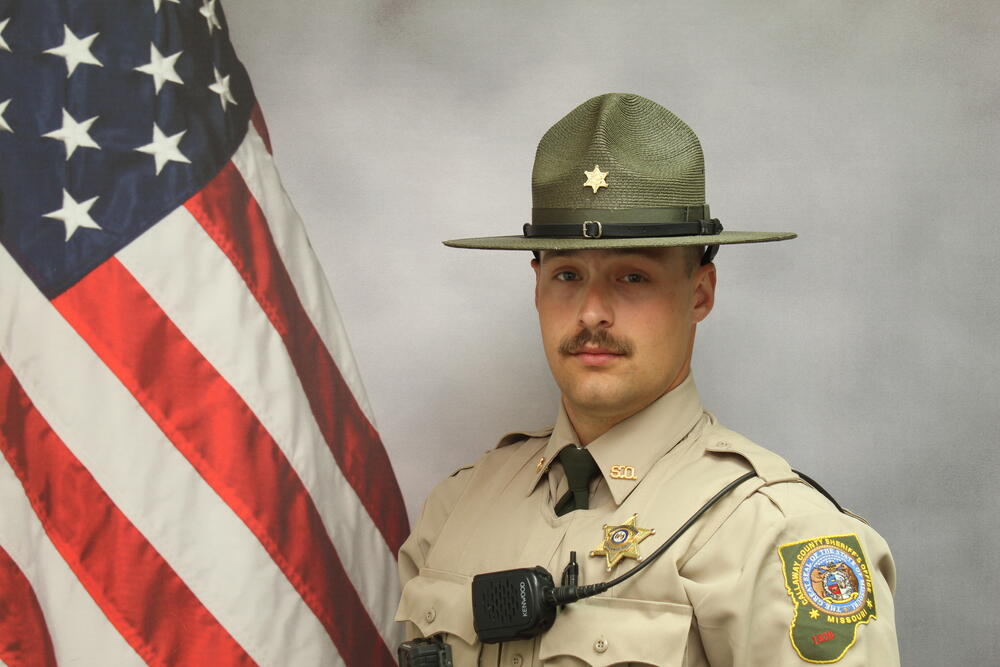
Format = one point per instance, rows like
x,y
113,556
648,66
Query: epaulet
x,y
770,467
518,436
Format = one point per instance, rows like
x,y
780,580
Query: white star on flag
x,y
3,121
160,68
221,88
74,134
3,44
74,214
208,11
156,4
164,149
76,51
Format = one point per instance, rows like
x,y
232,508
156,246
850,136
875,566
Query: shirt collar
x,y
629,449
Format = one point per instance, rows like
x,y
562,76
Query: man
x,y
773,573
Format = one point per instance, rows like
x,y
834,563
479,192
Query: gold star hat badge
x,y
622,542
595,179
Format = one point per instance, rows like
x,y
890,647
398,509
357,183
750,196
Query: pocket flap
x,y
603,631
438,601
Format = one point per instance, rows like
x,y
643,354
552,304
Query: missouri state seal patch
x,y
831,589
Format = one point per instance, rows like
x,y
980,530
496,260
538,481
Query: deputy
x,y
773,574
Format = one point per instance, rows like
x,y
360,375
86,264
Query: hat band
x,y
598,229
629,215
595,223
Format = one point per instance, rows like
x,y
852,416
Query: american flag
x,y
189,470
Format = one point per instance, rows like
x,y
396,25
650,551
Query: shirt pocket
x,y
436,601
603,631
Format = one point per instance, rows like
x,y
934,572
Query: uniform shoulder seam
x,y
519,436
704,539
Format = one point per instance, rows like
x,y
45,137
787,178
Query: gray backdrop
x,y
865,351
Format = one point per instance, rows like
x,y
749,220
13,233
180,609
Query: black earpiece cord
x,y
566,594
814,484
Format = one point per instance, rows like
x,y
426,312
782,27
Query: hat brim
x,y
541,243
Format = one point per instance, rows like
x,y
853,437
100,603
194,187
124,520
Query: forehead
x,y
655,254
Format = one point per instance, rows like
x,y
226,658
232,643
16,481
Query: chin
x,y
599,400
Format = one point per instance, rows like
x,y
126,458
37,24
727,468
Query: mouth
x,y
596,356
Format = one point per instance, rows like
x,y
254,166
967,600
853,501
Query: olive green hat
x,y
619,171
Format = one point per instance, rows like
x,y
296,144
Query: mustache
x,y
601,338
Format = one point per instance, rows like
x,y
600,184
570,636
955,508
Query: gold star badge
x,y
622,542
595,179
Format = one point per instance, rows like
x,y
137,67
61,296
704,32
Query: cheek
x,y
664,328
553,316
551,335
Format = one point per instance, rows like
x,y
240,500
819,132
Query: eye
x,y
634,278
565,276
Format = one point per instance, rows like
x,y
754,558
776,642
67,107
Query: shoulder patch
x,y
518,436
831,589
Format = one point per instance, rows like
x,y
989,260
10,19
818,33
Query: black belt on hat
x,y
595,229
591,223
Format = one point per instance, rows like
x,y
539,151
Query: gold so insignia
x,y
623,472
622,542
595,179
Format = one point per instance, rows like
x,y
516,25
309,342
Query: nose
x,y
596,309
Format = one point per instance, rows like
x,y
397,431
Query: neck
x,y
590,424
590,427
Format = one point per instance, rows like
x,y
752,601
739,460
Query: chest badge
x,y
622,542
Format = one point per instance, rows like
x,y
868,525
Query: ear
x,y
703,282
536,266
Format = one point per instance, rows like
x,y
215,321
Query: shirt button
x,y
429,615
723,445
601,645
517,661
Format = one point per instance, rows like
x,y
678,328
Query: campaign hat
x,y
619,171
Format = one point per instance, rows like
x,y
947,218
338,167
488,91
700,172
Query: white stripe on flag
x,y
152,483
215,311
257,167
77,625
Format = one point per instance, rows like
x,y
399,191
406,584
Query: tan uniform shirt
x,y
721,596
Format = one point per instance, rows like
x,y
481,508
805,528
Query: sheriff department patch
x,y
831,588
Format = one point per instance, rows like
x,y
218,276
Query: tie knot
x,y
580,467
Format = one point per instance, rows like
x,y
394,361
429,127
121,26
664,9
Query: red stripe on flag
x,y
257,118
122,571
217,432
231,216
24,636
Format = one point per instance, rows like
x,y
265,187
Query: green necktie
x,y
580,468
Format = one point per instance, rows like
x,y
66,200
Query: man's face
x,y
618,326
